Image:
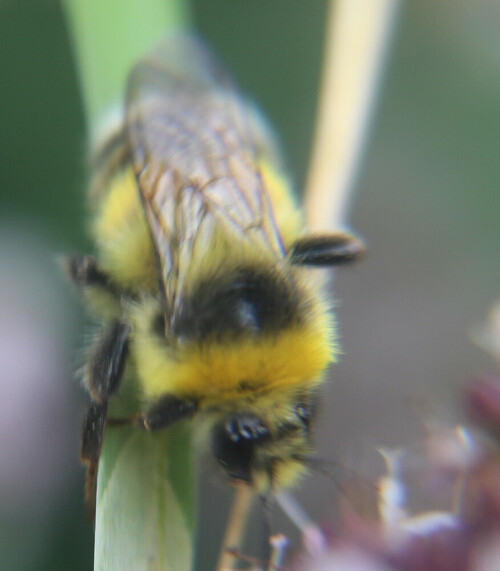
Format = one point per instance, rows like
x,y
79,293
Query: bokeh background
x,y
427,202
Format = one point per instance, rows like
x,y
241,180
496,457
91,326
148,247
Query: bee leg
x,y
107,361
93,425
133,420
85,273
166,411
326,250
104,373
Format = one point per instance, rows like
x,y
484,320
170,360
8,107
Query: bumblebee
x,y
202,276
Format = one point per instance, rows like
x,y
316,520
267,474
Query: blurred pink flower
x,y
38,417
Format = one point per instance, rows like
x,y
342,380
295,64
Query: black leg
x,y
166,411
104,374
107,361
327,250
94,422
162,414
85,273
92,431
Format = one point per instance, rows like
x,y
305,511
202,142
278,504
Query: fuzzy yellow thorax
x,y
213,369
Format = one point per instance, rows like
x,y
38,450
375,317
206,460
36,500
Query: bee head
x,y
235,441
265,453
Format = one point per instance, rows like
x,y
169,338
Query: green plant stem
x,y
145,490
145,501
109,36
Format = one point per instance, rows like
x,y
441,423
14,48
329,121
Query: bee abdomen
x,y
248,301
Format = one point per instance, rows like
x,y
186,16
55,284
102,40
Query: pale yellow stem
x,y
235,529
357,36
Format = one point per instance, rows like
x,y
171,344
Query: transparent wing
x,y
195,147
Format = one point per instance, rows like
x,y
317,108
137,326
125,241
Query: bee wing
x,y
195,148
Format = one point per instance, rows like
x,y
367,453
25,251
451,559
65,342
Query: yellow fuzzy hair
x,y
122,235
229,370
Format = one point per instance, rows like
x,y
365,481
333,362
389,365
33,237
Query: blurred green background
x,y
427,202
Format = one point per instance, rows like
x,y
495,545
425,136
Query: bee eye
x,y
234,442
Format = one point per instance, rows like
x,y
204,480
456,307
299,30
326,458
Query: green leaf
x,y
144,517
145,490
109,37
